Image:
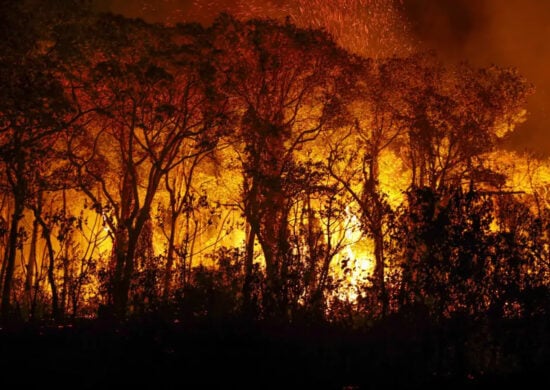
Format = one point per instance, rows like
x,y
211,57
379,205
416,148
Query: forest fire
x,y
173,167
312,168
359,255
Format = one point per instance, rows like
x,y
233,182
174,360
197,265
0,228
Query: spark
x,y
374,28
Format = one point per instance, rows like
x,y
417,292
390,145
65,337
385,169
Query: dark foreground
x,y
229,354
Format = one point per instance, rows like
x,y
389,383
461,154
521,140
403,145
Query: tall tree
x,y
153,109
455,116
374,128
33,112
281,82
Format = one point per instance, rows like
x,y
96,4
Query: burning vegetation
x,y
257,169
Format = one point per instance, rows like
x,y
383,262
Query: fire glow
x,y
261,159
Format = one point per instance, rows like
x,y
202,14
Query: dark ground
x,y
229,354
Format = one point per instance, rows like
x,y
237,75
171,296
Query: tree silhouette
x,y
280,81
33,113
151,113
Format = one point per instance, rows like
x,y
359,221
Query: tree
x,y
33,112
375,127
280,81
153,110
456,116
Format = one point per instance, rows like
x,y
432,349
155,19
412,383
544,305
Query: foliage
x,y
247,170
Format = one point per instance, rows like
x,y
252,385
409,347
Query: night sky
x,y
502,32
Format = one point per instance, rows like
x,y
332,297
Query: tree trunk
x,y
379,269
248,268
31,265
170,258
373,211
10,258
116,290
46,234
273,238
125,267
64,247
65,286
51,272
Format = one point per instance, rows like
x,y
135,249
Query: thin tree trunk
x,y
10,258
66,267
379,269
64,287
36,289
31,265
169,260
248,268
51,268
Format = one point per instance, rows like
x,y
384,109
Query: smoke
x,y
519,35
512,33
446,25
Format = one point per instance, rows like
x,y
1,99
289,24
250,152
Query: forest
x,y
251,191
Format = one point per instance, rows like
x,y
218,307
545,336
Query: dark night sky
x,y
503,32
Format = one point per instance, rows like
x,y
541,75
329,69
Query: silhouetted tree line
x,y
164,143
